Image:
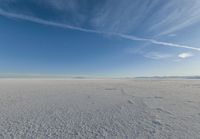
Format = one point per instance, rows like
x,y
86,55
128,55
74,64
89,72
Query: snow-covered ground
x,y
89,109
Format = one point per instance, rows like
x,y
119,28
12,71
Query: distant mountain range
x,y
170,77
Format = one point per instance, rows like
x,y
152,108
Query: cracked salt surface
x,y
89,109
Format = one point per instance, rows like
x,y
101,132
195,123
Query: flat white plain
x,y
89,109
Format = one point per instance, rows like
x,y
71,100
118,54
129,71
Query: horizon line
x,y
65,76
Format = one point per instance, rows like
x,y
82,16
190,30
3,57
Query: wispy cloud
x,y
121,35
157,55
185,55
156,16
176,15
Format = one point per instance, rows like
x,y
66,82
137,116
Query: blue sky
x,y
109,38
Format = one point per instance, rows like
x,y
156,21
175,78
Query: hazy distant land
x,y
50,76
169,77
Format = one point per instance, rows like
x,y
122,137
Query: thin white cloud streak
x,y
157,55
65,26
45,22
158,42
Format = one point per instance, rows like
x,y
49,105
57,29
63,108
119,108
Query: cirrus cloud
x,y
107,19
157,55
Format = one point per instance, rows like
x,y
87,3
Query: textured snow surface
x,y
102,109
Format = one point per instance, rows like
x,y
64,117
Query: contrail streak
x,y
61,25
158,42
